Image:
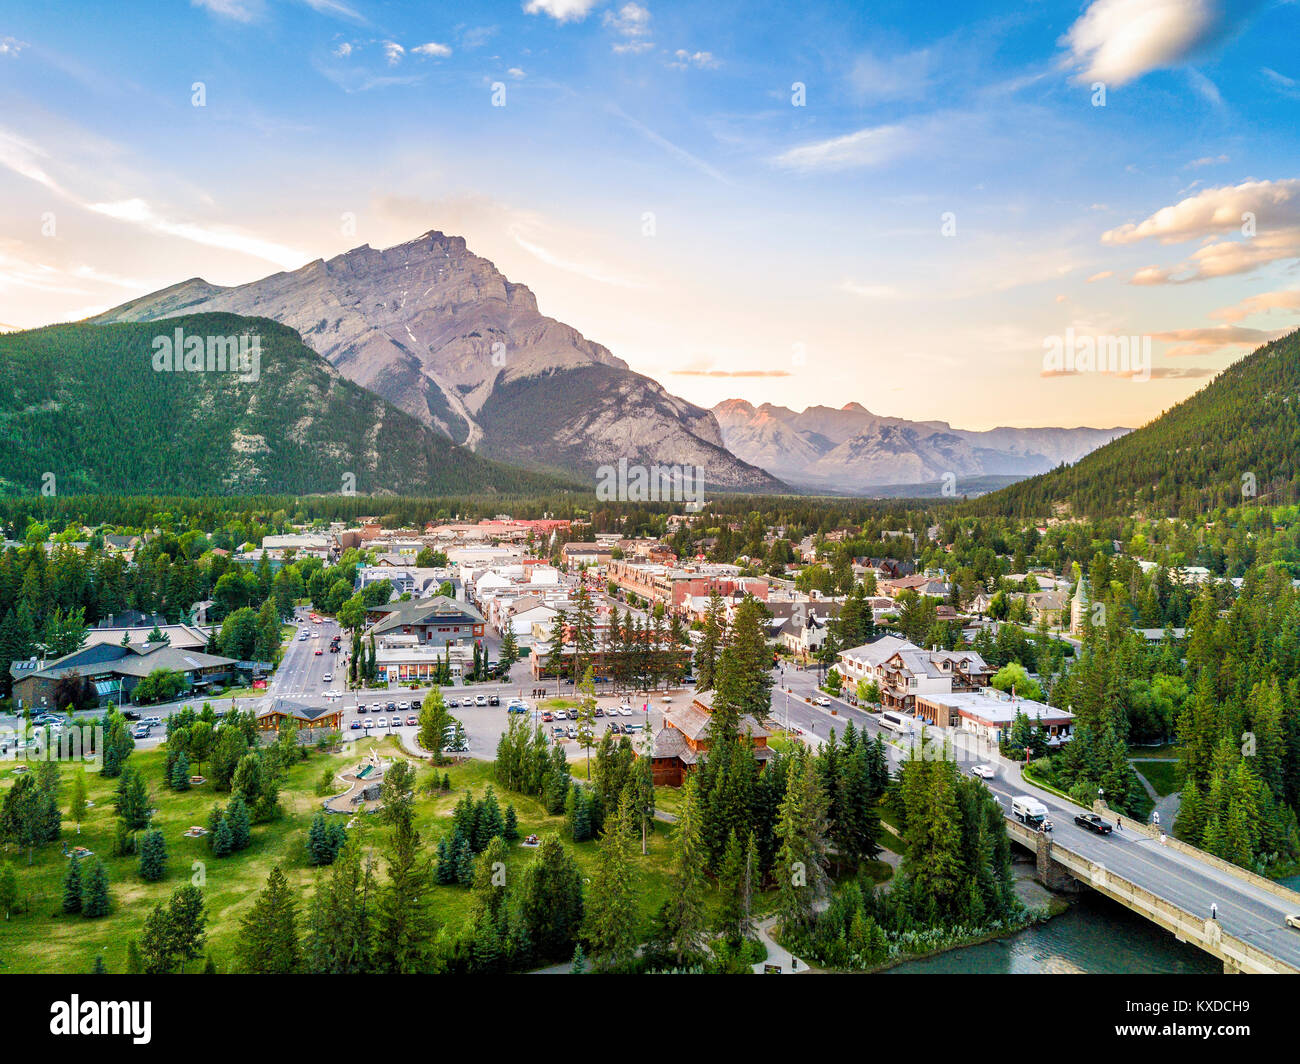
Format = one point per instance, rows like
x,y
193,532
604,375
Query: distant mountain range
x,y
853,450
87,409
441,334
1235,442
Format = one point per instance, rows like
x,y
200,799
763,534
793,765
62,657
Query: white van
x,y
1028,810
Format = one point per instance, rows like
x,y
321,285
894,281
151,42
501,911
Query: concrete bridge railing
x,y
1236,954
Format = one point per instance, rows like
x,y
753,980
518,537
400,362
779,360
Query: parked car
x,y
481,700
615,727
1092,822
520,707
131,714
392,705
141,732
403,706
984,772
548,716
558,729
361,707
153,722
561,715
412,722
624,711
573,732
356,725
599,712
376,707
494,700
382,722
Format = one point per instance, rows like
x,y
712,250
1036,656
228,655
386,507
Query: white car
x,y
329,676
624,711
984,772
403,706
382,722
823,701
376,707
561,715
1293,920
481,700
667,698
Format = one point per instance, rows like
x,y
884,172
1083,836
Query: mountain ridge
x,y
853,448
440,332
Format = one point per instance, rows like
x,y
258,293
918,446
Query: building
x,y
437,621
989,714
308,718
904,671
585,554
683,742
114,670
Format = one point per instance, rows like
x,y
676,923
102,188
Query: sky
x,y
915,207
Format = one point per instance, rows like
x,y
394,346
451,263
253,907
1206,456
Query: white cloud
x,y
140,213
238,10
1214,339
631,23
683,60
868,291
895,76
343,50
593,272
11,46
334,7
516,73
1101,276
1215,211
1287,301
393,52
560,10
433,49
1117,41
867,147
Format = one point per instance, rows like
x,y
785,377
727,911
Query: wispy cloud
x,y
432,50
236,10
591,271
872,146
11,46
668,146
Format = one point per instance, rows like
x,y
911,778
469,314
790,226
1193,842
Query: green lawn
x,y
42,939
1161,774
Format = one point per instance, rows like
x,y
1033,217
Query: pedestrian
x,y
1214,910
1119,823
1155,818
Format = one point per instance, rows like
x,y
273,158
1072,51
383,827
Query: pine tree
x,y
222,844
241,835
153,856
134,962
686,921
94,894
269,943
72,887
610,921
510,828
180,780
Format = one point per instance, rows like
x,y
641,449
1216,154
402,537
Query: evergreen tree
x,y
153,856
72,887
94,892
269,943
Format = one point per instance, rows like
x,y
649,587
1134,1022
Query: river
x,y
1094,935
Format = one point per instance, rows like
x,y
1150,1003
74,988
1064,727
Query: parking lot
x,y
485,724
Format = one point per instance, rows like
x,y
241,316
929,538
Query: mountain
x,y
852,449
440,333
1235,441
97,407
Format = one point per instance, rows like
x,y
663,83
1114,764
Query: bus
x,y
895,722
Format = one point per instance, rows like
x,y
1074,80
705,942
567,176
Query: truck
x,y
1029,810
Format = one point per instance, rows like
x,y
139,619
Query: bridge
x,y
1173,885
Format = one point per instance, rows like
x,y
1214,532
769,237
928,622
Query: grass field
x,y
1162,774
43,939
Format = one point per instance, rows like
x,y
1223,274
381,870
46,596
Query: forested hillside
x,y
1241,429
83,410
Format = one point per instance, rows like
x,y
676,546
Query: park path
x,y
1167,806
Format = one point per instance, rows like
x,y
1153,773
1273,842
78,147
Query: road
x,y
1244,910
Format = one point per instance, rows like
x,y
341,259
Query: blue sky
x,y
652,179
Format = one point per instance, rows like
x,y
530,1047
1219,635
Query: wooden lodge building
x,y
684,741
307,717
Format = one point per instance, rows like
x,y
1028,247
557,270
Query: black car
x,y
131,714
1092,822
494,700
392,705
453,703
